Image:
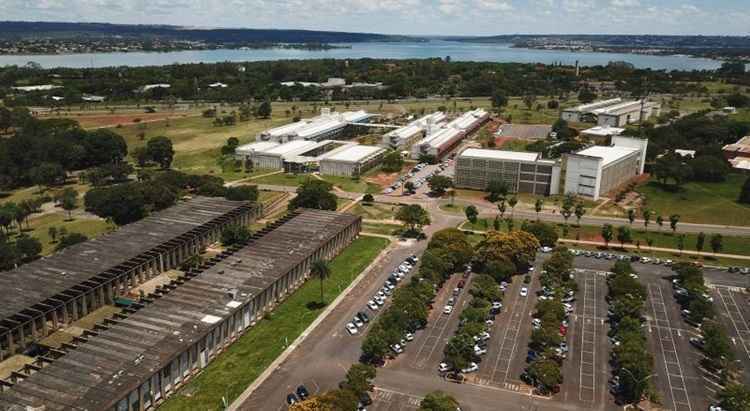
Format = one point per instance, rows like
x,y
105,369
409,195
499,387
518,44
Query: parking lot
x,y
586,369
389,400
733,309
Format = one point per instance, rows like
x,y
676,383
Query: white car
x,y
546,249
473,367
379,300
357,322
524,291
372,305
409,337
351,328
479,350
443,367
497,305
447,309
397,348
536,323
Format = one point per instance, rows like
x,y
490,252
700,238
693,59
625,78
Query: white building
x,y
41,87
441,139
583,112
597,170
613,112
351,161
602,132
273,156
327,125
523,172
403,138
148,87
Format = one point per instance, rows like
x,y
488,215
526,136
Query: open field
x,y
40,226
384,229
245,360
375,211
708,203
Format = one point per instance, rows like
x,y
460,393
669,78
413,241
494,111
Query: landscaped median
x,y
236,368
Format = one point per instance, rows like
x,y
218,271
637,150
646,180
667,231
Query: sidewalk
x,y
661,249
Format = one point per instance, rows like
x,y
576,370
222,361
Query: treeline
x,y
43,151
403,78
132,201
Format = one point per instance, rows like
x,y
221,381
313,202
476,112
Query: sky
x,y
418,17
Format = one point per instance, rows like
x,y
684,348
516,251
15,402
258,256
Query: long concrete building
x,y
523,172
327,126
597,170
613,112
405,137
440,140
353,161
48,294
136,360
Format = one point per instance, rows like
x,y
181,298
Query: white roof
x,y
595,105
257,146
355,116
608,154
318,127
500,154
467,120
685,153
285,129
290,147
355,153
740,163
604,131
442,137
41,87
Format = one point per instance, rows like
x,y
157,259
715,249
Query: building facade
x,y
522,172
327,126
441,139
352,161
138,359
598,170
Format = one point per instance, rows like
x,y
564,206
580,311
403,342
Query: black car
x,y
291,399
362,316
365,399
302,392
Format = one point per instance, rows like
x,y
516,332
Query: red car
x,y
461,284
563,330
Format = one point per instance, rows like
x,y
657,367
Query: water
x,y
458,51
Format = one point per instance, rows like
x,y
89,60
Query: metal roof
x,y
499,155
608,154
354,153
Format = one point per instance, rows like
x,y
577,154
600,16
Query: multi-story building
x,y
597,170
403,138
442,139
352,161
612,113
326,126
523,172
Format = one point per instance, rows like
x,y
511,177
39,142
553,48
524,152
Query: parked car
x,y
351,328
359,323
524,292
362,316
447,309
372,305
291,399
397,348
473,367
479,350
409,337
443,367
302,392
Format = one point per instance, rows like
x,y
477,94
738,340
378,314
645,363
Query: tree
x,y
709,168
660,221
160,150
124,203
47,174
586,96
499,100
538,207
716,242
69,201
438,401
546,373
315,194
471,213
501,207
579,212
734,397
392,162
673,220
459,351
28,247
567,207
368,199
235,234
512,203
631,216
700,241
624,235
528,101
230,147
545,233
52,232
716,345
681,242
414,217
439,184
321,270
69,239
359,378
745,192
264,109
242,193
608,233
410,187
646,217
497,189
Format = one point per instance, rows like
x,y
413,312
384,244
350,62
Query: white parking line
x,y
735,315
657,299
588,345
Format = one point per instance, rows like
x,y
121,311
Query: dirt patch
x,y
500,141
384,179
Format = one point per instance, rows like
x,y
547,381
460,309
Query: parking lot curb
x,y
299,340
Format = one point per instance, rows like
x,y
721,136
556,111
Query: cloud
x,y
625,3
494,5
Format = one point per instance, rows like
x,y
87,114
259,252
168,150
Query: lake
x,y
502,53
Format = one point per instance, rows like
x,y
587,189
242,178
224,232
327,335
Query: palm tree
x,y
321,270
538,207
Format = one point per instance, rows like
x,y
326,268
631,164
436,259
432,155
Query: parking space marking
x,y
672,366
735,315
514,326
389,399
587,380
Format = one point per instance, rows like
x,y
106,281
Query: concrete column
x,y
22,339
11,345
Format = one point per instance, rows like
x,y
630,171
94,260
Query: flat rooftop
x,y
290,147
608,154
39,280
257,146
604,131
102,370
354,154
524,131
499,155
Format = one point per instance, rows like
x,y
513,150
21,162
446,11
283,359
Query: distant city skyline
x,y
410,17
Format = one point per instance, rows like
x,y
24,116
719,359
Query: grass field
x,y
708,203
40,228
384,229
246,359
375,211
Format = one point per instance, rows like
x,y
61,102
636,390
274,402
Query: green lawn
x,y
247,358
707,203
283,179
375,211
41,224
384,229
353,185
456,208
